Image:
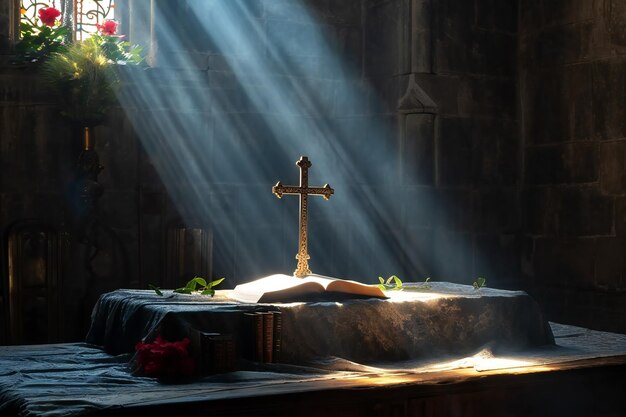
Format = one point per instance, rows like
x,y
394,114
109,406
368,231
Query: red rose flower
x,y
49,15
162,358
109,27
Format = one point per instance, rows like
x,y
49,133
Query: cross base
x,y
302,269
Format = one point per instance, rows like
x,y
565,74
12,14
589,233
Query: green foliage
x,y
479,283
39,42
392,283
80,73
196,284
118,51
84,81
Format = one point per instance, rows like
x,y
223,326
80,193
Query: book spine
x,y
200,349
278,331
268,336
222,353
254,339
195,349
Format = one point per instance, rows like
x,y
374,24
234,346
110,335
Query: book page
x,y
286,288
346,286
353,287
274,288
320,279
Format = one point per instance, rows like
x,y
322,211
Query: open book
x,y
284,288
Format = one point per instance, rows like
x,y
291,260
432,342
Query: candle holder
x,y
87,192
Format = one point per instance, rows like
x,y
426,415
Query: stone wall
x,y
572,82
447,71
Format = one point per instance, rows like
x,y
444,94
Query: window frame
x,y
136,21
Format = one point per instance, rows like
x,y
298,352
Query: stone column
x,y
9,25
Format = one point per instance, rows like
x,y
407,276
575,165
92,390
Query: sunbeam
x,y
272,90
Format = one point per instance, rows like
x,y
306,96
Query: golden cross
x,y
303,190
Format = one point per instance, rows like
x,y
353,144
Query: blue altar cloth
x,y
80,379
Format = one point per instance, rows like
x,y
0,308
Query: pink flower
x,y
49,15
109,27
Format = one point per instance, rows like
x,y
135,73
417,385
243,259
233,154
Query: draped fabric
x,y
78,379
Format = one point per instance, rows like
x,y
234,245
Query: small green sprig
x,y
392,283
425,285
193,285
479,283
156,289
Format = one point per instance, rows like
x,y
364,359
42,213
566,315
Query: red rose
x,y
109,27
163,358
49,15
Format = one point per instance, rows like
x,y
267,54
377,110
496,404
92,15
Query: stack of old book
x,y
213,352
264,334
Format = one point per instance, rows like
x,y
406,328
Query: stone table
x,y
418,322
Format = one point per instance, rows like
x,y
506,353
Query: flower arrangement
x,y
41,40
113,46
83,75
164,359
83,81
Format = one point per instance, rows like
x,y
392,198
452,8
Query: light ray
x,y
272,90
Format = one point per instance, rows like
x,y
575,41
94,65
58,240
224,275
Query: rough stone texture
x,y
571,69
562,163
419,150
446,319
462,55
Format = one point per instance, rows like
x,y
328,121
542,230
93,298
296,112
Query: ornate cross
x,y
303,190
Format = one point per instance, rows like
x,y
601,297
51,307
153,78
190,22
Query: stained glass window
x,y
80,15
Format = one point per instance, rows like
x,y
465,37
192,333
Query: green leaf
x,y
198,280
157,290
392,283
397,282
183,290
194,283
479,283
215,283
59,33
208,292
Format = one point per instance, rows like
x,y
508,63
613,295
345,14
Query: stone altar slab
x,y
417,323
